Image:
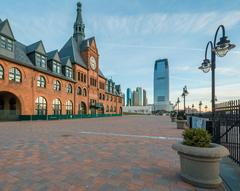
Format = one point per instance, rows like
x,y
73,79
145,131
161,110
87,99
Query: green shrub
x,y
181,115
196,137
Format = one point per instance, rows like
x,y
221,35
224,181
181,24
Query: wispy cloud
x,y
163,22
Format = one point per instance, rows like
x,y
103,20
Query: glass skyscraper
x,y
129,97
161,85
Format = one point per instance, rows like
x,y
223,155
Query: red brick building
x,y
69,81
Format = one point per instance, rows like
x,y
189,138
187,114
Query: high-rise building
x,y
140,96
144,97
135,98
129,97
161,85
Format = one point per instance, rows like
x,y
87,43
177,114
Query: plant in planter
x,y
173,115
181,120
199,158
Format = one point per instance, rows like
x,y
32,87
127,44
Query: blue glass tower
x,y
129,97
161,85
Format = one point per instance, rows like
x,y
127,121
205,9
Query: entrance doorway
x,y
10,107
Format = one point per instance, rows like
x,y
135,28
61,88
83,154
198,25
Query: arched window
x,y
15,75
100,96
57,86
79,91
41,82
107,110
111,110
41,106
82,108
1,72
69,88
57,108
84,92
69,107
115,109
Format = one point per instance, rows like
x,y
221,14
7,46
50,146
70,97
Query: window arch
x,y
82,108
84,93
57,107
69,88
57,85
41,82
79,91
41,106
15,75
69,107
1,73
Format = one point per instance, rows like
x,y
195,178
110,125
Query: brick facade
x,y
26,91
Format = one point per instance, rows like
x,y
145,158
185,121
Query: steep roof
x,y
86,43
71,49
66,61
5,29
36,47
53,55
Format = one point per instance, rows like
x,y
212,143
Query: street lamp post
x,y
192,108
206,107
184,94
200,106
220,49
178,101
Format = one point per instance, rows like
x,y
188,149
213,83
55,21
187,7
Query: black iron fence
x,y
226,130
227,117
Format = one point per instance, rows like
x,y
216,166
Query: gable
x,y
93,44
56,57
5,29
40,48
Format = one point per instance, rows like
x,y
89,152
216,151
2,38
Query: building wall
x,y
27,91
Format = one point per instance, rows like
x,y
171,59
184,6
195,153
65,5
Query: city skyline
x,y
179,32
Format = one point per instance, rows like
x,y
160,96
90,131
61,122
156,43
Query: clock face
x,y
93,63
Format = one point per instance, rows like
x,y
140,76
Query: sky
x,y
132,34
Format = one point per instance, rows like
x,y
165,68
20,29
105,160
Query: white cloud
x,y
161,22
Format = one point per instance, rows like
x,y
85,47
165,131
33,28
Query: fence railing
x,y
226,129
227,116
62,117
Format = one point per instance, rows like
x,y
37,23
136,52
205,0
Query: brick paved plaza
x,y
129,153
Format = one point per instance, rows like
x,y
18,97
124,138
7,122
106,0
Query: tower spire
x,y
79,26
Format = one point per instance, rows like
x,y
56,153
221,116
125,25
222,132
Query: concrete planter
x,y
173,119
200,166
181,124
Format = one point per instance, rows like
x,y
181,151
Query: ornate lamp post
x,y
220,49
178,101
206,107
184,94
200,106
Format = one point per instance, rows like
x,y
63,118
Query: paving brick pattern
x,y
59,155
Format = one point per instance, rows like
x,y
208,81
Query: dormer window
x,y
40,60
68,72
6,43
56,67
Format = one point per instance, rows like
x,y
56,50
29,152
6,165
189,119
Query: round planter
x,y
181,124
200,166
173,119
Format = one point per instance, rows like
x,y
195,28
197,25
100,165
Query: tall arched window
x,y
107,110
15,75
69,88
84,92
41,82
57,86
41,106
57,108
82,108
1,72
111,110
69,107
79,91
